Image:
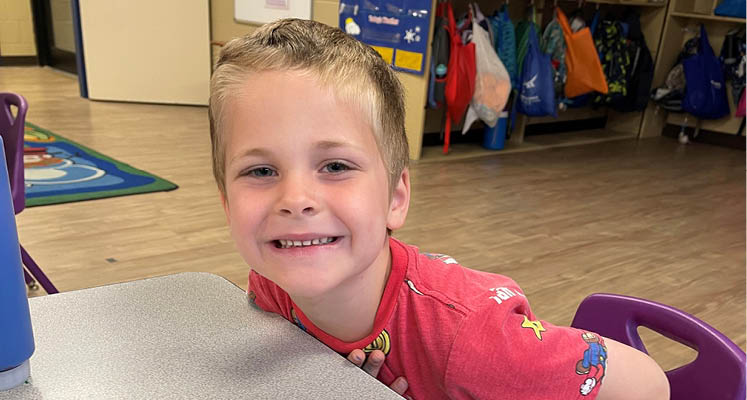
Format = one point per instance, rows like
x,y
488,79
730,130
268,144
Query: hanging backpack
x,y
642,69
731,8
522,38
505,43
705,90
732,57
439,59
553,43
616,60
584,69
669,96
460,79
536,94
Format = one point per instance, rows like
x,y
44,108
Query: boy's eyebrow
x,y
331,144
322,144
258,152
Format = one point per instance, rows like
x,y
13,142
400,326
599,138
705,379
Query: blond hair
x,y
354,71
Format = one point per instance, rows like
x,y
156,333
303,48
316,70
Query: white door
x,y
147,51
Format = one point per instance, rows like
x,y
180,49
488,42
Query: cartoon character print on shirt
x,y
382,342
253,299
535,326
593,363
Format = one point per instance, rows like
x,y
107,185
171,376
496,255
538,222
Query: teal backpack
x,y
504,38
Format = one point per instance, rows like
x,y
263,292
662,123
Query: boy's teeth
x,y
286,244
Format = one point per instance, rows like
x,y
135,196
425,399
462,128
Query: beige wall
x,y
223,28
222,25
16,28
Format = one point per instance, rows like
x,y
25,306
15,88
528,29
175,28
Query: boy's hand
x,y
373,365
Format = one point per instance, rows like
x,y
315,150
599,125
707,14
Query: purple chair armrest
x,y
718,372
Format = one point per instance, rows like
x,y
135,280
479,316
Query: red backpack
x,y
460,78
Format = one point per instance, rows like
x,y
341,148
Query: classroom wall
x,y
16,29
223,28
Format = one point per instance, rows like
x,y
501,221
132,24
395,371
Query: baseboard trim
x,y
709,137
16,61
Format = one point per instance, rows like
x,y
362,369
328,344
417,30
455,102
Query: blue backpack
x,y
731,8
705,90
536,94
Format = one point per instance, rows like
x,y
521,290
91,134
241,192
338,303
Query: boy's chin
x,y
307,287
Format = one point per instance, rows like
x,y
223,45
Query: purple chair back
x,y
11,130
718,371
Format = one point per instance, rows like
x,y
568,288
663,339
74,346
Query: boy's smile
x,y
307,192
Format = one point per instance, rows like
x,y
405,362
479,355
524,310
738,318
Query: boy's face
x,y
303,168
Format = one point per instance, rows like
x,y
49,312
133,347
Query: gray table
x,y
190,335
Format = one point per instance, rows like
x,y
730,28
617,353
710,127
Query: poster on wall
x,y
264,11
397,29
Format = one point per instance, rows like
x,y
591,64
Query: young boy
x,y
310,156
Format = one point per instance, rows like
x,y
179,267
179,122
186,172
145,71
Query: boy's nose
x,y
297,198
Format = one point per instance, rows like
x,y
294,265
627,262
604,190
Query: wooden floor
x,y
649,218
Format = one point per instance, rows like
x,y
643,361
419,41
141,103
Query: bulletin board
x,y
264,11
397,29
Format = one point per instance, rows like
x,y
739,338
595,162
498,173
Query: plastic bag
x,y
536,94
705,90
492,82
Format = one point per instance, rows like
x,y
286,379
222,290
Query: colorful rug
x,y
58,170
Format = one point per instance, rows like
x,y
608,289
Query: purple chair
x,y
11,130
718,371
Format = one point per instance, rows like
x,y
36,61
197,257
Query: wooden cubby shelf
x,y
717,18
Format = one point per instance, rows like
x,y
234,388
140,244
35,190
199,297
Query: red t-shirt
x,y
458,333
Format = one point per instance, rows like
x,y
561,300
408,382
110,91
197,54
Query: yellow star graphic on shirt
x,y
536,326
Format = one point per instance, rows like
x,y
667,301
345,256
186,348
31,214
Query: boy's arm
x,y
631,374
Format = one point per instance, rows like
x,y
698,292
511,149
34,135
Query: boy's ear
x,y
400,202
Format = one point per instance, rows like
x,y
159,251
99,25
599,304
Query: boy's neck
x,y
349,312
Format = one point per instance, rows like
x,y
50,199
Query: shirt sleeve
x,y
502,351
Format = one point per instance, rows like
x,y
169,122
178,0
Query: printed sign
x,y
397,29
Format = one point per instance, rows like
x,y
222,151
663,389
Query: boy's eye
x,y
261,172
335,167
